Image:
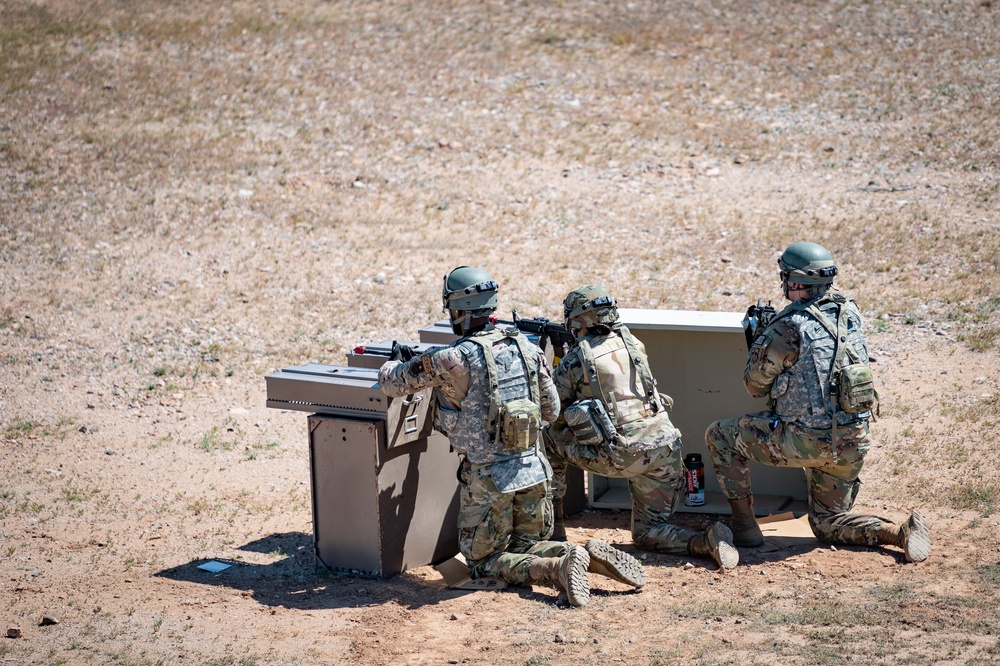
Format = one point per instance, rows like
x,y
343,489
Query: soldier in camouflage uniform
x,y
605,379
505,513
792,362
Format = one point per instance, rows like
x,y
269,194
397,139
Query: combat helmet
x,y
589,306
470,293
807,264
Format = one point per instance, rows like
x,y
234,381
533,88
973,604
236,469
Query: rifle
x,y
398,352
548,332
756,320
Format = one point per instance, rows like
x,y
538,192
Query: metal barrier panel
x,y
384,490
698,359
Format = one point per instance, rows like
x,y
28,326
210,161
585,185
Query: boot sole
x,y
577,584
918,542
720,538
608,561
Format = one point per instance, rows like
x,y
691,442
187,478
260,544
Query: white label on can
x,y
695,499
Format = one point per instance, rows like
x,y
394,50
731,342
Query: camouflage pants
x,y
655,482
832,469
501,534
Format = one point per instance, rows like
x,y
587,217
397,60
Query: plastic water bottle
x,y
694,476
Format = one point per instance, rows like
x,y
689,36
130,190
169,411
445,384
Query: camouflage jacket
x,y
460,379
791,363
642,425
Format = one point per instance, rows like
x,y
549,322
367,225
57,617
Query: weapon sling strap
x,y
593,380
486,343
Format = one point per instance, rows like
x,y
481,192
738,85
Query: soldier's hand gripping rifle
x,y
548,332
756,320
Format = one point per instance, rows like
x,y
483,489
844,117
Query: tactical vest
x,y
803,393
617,374
515,368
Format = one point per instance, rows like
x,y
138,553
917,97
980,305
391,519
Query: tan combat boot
x,y
716,543
608,561
558,522
568,573
746,532
913,536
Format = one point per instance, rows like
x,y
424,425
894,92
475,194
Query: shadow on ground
x,y
294,581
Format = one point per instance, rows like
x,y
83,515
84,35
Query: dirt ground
x,y
194,195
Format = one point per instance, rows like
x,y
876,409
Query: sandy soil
x,y
194,195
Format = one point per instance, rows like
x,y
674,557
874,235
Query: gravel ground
x,y
193,195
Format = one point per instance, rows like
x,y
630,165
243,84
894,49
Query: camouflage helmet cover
x,y
471,290
807,263
588,306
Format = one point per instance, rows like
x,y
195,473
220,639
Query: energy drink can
x,y
694,476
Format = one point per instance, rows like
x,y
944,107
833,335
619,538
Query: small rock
x,y
13,632
48,619
453,617
559,638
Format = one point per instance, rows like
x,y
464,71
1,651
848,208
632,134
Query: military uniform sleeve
x,y
856,320
434,369
548,393
773,351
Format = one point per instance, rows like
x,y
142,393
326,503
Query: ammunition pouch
x,y
856,388
590,423
520,422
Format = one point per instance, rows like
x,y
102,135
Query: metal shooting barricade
x,y
384,493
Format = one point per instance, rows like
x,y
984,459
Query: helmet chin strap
x,y
461,325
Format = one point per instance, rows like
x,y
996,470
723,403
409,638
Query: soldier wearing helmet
x,y
811,363
614,423
505,509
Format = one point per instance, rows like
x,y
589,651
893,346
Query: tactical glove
x,y
401,352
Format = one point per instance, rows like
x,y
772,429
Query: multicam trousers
x,y
832,468
501,534
655,482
